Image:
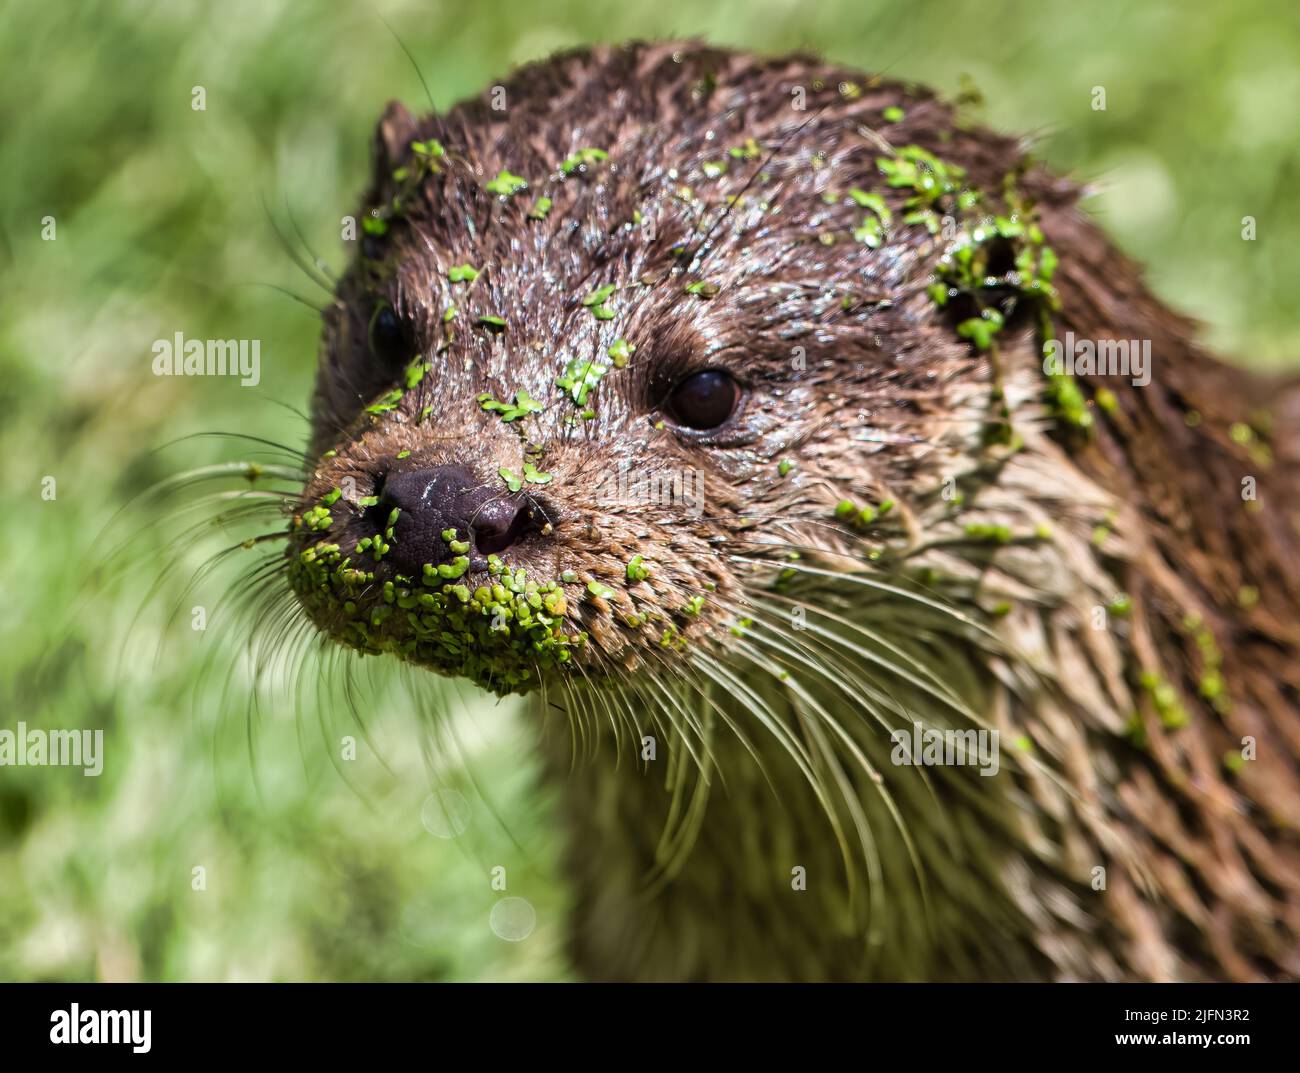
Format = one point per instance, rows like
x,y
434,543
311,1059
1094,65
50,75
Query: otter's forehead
x,y
726,218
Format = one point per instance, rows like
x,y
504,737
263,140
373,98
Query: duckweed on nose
x,y
580,377
522,406
502,634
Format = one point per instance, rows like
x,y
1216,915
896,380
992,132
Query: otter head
x,y
635,347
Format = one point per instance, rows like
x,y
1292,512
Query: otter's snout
x,y
434,500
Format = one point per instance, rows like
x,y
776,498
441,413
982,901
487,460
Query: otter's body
x,y
906,520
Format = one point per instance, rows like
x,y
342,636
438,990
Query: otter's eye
x,y
703,400
387,339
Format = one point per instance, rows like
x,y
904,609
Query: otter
x,y
904,593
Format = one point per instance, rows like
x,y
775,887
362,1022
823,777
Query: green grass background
x,y
319,868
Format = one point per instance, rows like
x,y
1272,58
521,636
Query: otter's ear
x,y
393,136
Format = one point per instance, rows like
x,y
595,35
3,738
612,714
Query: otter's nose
x,y
431,501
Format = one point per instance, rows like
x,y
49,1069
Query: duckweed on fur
x,y
500,634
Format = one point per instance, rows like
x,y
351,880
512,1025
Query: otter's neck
x,y
747,878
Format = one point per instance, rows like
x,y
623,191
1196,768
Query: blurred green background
x,y
319,867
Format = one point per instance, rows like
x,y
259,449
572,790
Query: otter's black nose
x,y
431,501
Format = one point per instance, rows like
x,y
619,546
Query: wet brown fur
x,y
1202,863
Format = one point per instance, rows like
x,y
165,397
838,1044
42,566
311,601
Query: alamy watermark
x,y
648,486
1102,357
129,1027
53,748
179,356
922,746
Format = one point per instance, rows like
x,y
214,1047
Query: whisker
x,y
321,281
321,266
